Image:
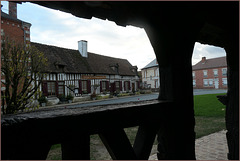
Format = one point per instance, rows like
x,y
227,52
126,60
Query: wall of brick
x,y
13,30
210,78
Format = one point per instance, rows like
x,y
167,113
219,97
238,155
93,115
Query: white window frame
x,y
224,71
223,82
215,72
210,84
205,73
194,83
205,82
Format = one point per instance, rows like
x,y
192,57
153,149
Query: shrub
x,y
69,97
42,99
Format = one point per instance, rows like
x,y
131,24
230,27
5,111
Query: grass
x,y
209,117
208,106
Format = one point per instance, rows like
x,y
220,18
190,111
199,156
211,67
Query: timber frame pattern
x,y
173,28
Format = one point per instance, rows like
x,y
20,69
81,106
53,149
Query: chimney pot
x,y
82,48
203,60
12,8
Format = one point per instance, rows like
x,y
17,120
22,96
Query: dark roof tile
x,y
73,62
210,63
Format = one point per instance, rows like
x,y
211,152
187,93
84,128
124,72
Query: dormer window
x,y
114,67
60,66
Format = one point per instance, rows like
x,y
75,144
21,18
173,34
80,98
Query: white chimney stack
x,y
82,48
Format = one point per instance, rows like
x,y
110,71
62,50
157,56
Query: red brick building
x,y
210,73
14,28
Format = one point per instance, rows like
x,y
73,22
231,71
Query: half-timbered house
x,y
80,72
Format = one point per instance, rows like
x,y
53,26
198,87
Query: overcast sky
x,y
104,37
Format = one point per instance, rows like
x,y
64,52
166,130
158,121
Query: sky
x,y
104,37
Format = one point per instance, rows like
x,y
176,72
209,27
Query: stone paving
x,y
210,147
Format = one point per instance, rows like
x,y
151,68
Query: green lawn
x,y
209,116
208,105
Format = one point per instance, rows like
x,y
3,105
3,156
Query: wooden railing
x,y
31,135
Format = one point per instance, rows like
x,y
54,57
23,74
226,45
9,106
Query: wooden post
x,y
232,108
173,45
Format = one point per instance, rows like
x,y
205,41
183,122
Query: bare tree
x,y
22,68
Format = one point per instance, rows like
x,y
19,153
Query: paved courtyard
x,y
210,147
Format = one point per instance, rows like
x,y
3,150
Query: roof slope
x,y
7,16
151,64
210,63
73,62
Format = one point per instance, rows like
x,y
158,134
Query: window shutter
x,y
120,85
56,85
129,87
124,85
44,88
80,87
100,86
107,85
114,86
89,86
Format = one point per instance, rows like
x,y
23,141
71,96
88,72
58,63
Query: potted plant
x,y
93,96
70,98
62,98
42,100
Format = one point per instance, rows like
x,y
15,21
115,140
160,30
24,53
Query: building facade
x,y
150,76
14,29
210,74
80,73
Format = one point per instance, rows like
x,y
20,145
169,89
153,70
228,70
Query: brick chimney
x,y
12,8
82,48
203,60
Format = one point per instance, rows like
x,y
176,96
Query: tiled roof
x,y
151,64
73,62
210,63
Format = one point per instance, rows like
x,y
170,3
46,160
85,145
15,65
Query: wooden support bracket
x,y
118,144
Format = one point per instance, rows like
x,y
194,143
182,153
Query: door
x,y
216,83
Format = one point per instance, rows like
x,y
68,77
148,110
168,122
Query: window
x,y
193,74
117,84
104,85
156,72
84,86
194,83
51,86
210,82
126,85
205,73
215,72
61,88
2,32
224,71
224,81
205,82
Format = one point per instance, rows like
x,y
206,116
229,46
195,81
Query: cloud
x,y
104,37
207,51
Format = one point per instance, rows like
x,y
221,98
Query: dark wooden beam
x,y
117,144
144,140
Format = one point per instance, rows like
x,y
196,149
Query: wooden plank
x,y
117,144
144,141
